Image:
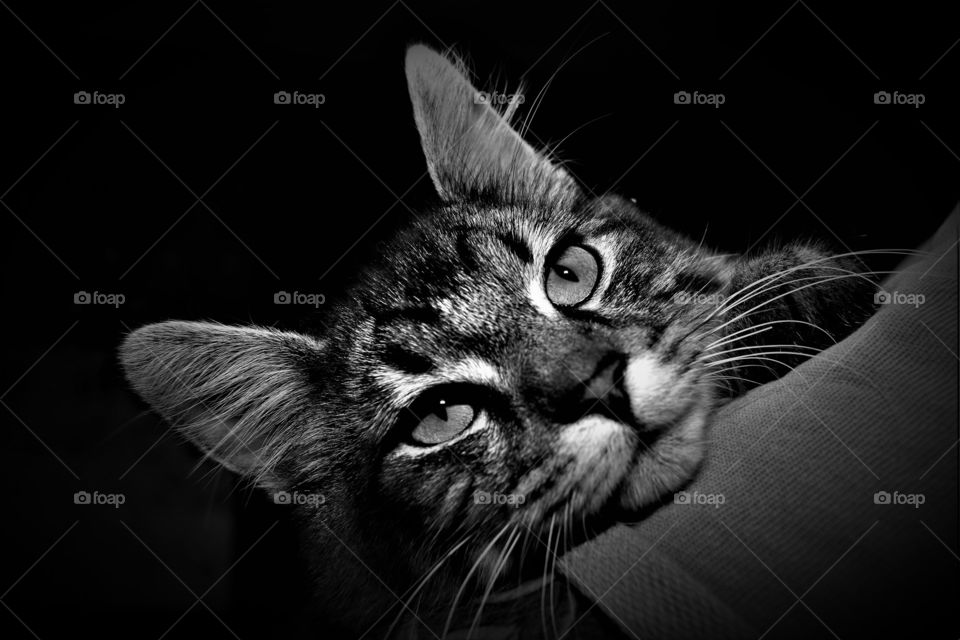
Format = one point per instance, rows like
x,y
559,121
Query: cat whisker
x,y
731,303
498,567
720,375
753,353
728,304
762,359
832,361
738,368
553,576
805,265
566,547
758,356
583,523
777,297
703,357
546,566
818,279
466,579
730,337
523,553
419,585
765,283
751,331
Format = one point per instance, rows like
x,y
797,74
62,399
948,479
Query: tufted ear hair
x,y
231,390
471,149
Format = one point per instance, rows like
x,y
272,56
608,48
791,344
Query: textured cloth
x,y
785,534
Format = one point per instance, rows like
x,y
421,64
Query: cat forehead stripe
x,y
406,387
516,244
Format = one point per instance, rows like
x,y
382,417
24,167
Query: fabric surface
x,y
785,534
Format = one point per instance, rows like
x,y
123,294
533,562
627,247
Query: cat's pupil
x,y
566,274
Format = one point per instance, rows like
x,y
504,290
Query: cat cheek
x,y
601,450
673,462
659,396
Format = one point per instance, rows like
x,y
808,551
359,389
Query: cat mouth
x,y
662,456
617,409
612,447
662,463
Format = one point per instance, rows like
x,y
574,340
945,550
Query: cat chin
x,y
669,463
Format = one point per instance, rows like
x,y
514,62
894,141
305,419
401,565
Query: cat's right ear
x,y
471,149
234,391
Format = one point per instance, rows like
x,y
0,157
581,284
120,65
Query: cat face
x,y
521,355
510,358
534,358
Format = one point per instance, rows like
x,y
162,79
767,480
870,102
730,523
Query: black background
x,y
294,198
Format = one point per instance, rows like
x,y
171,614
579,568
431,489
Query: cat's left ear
x,y
471,149
239,393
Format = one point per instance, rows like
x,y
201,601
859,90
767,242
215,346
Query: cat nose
x,y
603,393
579,377
606,383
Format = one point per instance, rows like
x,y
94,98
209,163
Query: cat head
x,y
522,353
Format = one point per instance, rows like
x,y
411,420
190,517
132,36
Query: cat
x,y
522,356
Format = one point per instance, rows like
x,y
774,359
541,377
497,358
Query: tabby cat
x,y
521,357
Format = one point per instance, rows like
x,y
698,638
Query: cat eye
x,y
572,276
440,416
